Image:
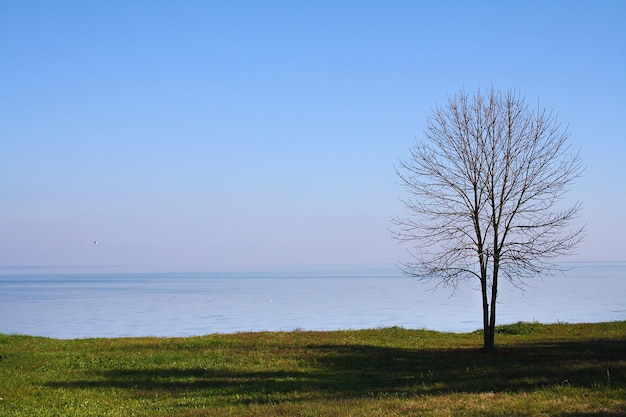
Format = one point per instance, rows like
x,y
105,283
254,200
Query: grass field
x,y
537,370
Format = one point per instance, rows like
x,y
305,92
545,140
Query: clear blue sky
x,y
250,134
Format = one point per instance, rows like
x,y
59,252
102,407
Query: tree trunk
x,y
489,344
488,323
489,336
488,328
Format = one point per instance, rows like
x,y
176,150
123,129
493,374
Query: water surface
x,y
89,304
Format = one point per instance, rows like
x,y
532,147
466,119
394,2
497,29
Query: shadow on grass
x,y
352,371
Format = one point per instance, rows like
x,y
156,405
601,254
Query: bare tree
x,y
483,191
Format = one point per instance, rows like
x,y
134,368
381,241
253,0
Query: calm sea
x,y
103,304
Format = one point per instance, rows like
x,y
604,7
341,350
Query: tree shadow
x,y
352,371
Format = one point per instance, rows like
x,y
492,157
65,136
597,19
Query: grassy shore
x,y
537,370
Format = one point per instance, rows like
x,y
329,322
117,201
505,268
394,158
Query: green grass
x,y
537,370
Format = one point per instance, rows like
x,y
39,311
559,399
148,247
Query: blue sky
x,y
244,134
